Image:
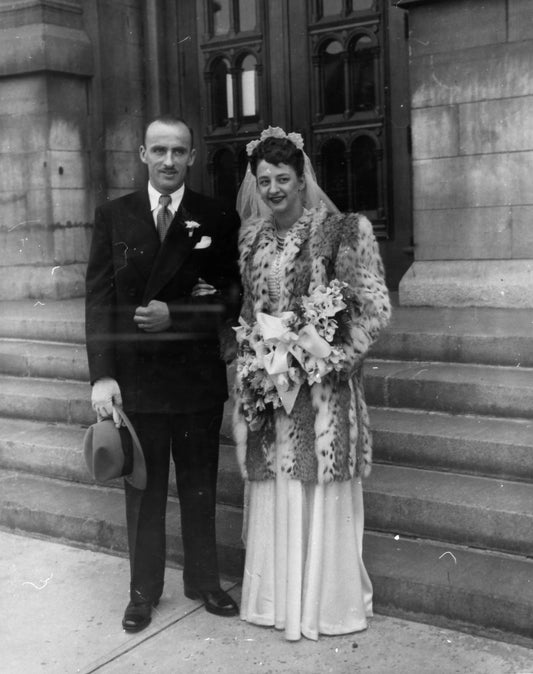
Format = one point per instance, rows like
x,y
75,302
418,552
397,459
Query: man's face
x,y
168,153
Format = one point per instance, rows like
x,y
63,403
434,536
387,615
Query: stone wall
x,y
119,92
71,111
471,73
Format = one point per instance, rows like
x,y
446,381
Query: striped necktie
x,y
164,216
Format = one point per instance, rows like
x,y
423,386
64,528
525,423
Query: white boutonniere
x,y
191,225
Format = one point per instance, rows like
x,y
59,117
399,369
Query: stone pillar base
x,y
462,283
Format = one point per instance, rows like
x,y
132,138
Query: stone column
x,y
471,72
46,63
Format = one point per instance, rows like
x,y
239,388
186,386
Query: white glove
x,y
105,394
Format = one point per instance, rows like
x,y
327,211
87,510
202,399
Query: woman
x,y
304,511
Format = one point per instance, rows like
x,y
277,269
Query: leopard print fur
x,y
327,436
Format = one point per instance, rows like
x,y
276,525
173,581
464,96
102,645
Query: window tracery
x,y
235,87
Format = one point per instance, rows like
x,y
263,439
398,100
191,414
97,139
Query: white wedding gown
x,y
304,571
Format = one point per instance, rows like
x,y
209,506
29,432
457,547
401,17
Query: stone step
x,y
451,586
483,446
432,581
477,512
458,334
474,511
479,445
441,387
43,448
55,360
93,516
56,451
60,401
450,387
24,358
49,320
53,400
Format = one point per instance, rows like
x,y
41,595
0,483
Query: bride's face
x,y
279,188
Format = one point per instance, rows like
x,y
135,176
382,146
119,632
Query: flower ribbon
x,y
285,341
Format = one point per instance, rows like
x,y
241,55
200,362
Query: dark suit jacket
x,y
179,370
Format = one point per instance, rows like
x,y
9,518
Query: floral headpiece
x,y
275,132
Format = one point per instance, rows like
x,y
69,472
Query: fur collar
x,y
258,248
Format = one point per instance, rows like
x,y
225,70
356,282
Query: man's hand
x,y
153,318
105,394
203,288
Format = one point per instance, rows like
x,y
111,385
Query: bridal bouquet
x,y
277,354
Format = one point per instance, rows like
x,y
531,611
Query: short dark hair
x,y
171,120
278,151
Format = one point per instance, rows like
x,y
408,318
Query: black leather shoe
x,y
216,601
138,615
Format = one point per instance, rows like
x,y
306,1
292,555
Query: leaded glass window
x,y
249,86
333,78
221,16
363,73
365,182
333,163
222,92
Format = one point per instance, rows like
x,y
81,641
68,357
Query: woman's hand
x,y
203,288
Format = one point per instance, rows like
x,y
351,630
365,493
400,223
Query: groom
x,y
162,279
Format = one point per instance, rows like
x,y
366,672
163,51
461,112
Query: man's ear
x,y
192,157
142,154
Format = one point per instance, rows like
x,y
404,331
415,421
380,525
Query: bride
x,y
304,571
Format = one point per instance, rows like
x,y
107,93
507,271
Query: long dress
x,y
304,571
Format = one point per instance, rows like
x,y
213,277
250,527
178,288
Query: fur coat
x,y
326,437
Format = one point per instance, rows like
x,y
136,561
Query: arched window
x,y
363,84
224,175
222,93
365,178
249,107
333,78
334,180
221,16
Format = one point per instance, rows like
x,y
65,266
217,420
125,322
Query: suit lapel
x,y
173,252
137,232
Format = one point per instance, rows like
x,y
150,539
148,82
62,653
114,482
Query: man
x,y
162,269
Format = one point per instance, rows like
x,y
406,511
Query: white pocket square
x,y
204,242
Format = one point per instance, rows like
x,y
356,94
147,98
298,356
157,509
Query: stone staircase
x,y
44,411
449,504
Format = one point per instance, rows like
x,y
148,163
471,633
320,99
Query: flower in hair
x,y
251,146
297,139
275,132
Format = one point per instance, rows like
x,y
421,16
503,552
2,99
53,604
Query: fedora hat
x,y
112,452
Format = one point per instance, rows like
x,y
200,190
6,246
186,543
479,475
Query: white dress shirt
x,y
154,195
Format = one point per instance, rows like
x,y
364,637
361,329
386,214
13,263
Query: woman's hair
x,y
278,151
